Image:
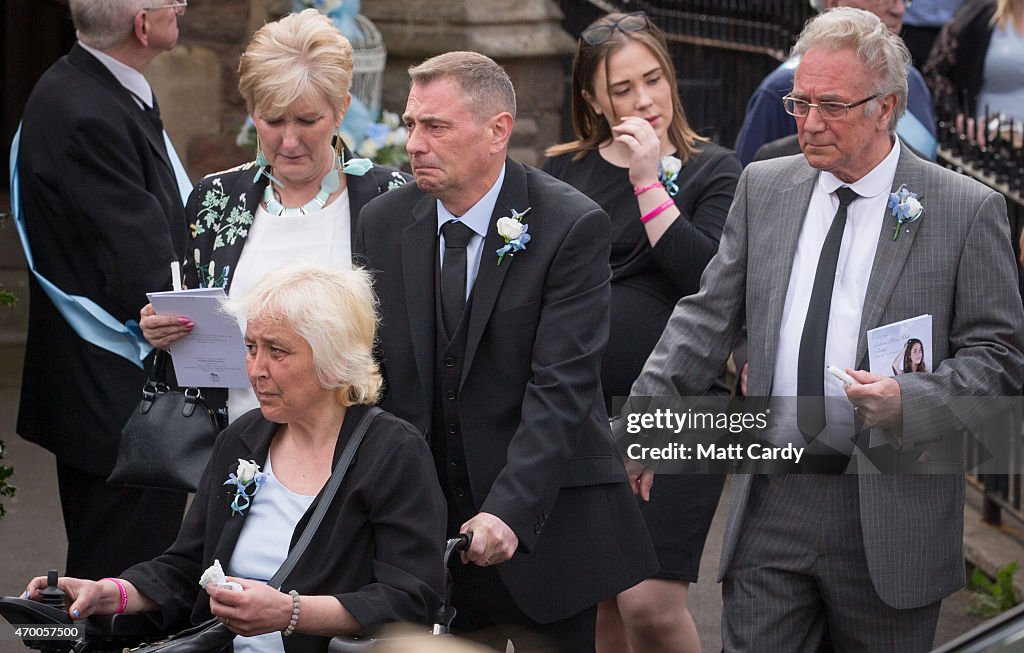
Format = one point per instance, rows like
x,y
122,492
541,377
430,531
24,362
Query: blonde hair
x,y
332,309
1008,11
592,130
486,87
300,56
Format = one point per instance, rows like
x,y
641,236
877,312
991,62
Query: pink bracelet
x,y
656,211
640,190
124,594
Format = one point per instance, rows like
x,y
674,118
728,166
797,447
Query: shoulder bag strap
x,y
344,462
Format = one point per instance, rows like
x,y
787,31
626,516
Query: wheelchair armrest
x,y
25,611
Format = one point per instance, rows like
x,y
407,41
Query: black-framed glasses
x,y
178,7
636,21
827,110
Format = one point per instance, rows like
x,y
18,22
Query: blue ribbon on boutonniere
x,y
514,231
247,479
906,207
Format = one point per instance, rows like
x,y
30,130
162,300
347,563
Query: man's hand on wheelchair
x,y
257,609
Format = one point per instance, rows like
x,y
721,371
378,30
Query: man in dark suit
x,y
104,218
813,257
494,287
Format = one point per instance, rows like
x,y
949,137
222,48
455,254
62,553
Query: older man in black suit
x,y
104,217
493,280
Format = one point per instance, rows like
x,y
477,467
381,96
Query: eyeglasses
x,y
178,7
636,21
827,110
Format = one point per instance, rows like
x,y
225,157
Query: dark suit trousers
x,y
111,528
487,614
800,567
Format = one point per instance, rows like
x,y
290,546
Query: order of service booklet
x,y
901,347
213,354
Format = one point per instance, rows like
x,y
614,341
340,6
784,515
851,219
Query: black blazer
x,y
534,427
378,549
104,220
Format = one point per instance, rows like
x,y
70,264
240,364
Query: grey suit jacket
x,y
955,263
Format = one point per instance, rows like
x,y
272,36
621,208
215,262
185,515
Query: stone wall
x,y
197,83
525,37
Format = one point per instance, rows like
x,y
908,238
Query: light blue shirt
x,y
930,13
477,218
262,546
1002,86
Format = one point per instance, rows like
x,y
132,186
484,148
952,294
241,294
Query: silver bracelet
x,y
295,614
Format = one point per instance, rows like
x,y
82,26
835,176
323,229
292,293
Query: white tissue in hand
x,y
214,574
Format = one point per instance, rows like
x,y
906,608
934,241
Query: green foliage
x,y
993,596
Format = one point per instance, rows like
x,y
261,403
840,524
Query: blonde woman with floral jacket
x,y
299,199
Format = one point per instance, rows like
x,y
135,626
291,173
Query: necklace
x,y
328,185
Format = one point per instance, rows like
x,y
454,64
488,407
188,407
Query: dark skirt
x,y
682,506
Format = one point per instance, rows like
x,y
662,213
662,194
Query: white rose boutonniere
x,y
906,207
668,170
247,479
513,230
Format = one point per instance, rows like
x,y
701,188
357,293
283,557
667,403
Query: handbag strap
x,y
159,373
333,483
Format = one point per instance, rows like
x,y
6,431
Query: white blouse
x,y
323,236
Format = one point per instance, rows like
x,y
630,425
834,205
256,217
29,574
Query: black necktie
x,y
810,371
453,273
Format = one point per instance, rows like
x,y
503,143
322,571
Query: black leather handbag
x,y
168,440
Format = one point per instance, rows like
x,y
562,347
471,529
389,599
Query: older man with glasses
x,y
766,123
816,252
101,198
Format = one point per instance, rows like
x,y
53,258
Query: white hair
x,y
882,52
332,309
103,24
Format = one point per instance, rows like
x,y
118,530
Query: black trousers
x,y
486,612
488,615
111,528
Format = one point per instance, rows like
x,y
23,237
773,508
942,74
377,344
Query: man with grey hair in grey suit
x,y
812,257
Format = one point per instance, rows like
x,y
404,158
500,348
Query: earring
x,y
263,165
354,166
339,148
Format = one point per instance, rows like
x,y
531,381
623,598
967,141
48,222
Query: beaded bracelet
x,y
295,614
640,190
124,594
656,211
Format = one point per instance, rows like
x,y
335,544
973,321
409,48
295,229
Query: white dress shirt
x,y
478,219
129,78
856,255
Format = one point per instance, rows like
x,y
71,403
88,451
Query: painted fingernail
x,y
75,612
183,321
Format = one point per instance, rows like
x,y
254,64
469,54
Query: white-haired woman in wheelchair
x,y
376,556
